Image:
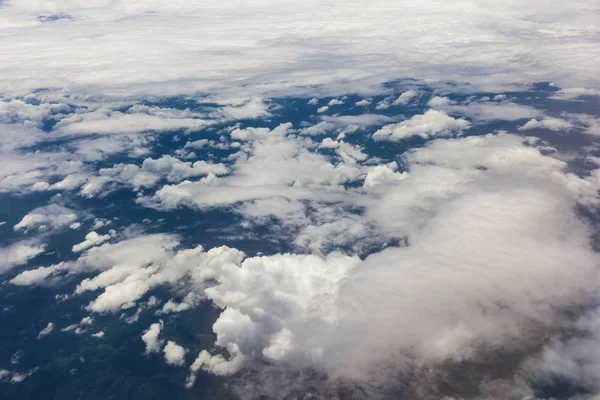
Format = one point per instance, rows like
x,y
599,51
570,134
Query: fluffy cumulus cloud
x,y
174,354
19,253
431,124
151,338
48,217
91,239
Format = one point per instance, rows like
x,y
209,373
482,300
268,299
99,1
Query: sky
x,y
331,200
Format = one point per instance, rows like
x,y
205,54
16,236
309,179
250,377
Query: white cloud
x,y
151,338
492,44
80,328
130,268
15,377
382,174
254,108
575,92
174,354
91,239
405,98
115,122
75,225
472,222
52,216
19,253
46,331
439,101
485,110
274,163
152,170
322,109
37,276
431,124
554,124
335,102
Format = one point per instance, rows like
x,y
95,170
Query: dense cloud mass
x,y
340,200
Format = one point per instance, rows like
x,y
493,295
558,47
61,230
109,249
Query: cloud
x,y
491,45
470,223
575,92
38,276
91,239
46,331
151,338
19,253
574,359
554,124
52,216
402,100
174,354
152,170
432,123
254,108
80,328
15,377
382,174
405,98
130,268
485,110
114,122
273,163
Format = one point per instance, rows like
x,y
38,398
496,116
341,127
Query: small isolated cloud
x,y
174,354
554,124
322,109
48,217
15,377
254,108
46,331
431,124
151,338
335,102
80,328
313,102
91,239
405,98
363,103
